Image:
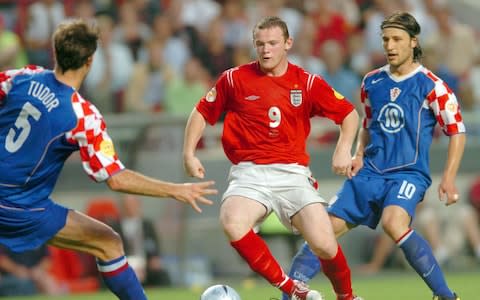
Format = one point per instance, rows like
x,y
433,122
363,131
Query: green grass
x,y
385,286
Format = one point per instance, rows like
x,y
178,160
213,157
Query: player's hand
x,y
357,164
342,163
193,193
193,167
448,192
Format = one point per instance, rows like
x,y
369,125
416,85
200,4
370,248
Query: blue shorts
x,y
22,229
361,200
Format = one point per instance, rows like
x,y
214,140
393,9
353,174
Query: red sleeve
x,y
327,102
97,152
213,104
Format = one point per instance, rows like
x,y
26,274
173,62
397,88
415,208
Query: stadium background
x,y
193,245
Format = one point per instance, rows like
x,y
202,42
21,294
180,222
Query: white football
x,y
220,292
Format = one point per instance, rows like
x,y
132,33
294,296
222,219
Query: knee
x,y
235,229
111,245
394,229
388,226
325,250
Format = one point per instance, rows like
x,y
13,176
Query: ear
x,y
89,61
414,42
288,43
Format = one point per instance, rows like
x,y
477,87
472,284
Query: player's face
x,y
398,46
272,50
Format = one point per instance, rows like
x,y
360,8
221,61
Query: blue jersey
x,y
400,116
42,121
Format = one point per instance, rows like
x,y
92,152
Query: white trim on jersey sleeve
x,y
230,76
310,80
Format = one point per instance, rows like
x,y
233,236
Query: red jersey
x,y
268,118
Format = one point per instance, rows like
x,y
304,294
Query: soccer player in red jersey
x,y
268,105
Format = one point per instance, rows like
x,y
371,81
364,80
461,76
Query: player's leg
x,y
86,234
428,222
314,224
305,264
238,215
396,223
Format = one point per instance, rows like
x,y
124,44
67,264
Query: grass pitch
x,y
404,285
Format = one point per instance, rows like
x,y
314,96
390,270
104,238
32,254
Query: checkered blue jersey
x,y
42,121
400,114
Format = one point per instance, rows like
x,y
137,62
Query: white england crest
x,y
296,97
394,93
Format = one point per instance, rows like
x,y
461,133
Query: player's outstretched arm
x,y
447,189
193,132
128,181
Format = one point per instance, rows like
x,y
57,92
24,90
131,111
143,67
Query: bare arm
x,y
363,139
132,182
193,132
447,187
342,160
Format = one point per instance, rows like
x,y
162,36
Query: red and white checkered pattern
x,y
445,107
7,76
89,134
441,100
367,108
366,101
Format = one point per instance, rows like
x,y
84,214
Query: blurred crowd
x,y
163,55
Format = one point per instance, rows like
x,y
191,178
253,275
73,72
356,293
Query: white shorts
x,y
281,188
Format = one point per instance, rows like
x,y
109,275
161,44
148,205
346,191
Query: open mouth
x,y
391,55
